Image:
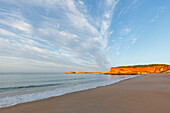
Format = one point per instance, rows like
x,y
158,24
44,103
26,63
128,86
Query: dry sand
x,y
144,94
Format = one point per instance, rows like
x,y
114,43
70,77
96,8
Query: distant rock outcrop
x,y
71,72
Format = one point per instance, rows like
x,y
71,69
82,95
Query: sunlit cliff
x,y
139,69
132,70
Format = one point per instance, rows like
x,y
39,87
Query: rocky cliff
x,y
132,70
139,69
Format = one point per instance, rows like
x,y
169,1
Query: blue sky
x,y
82,35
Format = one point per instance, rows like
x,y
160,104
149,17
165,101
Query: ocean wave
x,y
30,86
10,101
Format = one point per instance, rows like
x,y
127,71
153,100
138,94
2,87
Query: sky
x,y
82,35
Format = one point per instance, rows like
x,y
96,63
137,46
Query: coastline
x,y
140,94
30,97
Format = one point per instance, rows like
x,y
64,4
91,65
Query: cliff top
x,y
134,66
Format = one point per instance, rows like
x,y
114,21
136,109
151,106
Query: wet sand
x,y
144,94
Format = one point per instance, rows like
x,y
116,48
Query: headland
x,y
132,70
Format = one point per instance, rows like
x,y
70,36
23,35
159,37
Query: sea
x,y
18,88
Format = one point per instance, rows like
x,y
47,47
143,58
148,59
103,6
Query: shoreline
x,y
70,102
32,99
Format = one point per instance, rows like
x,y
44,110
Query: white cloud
x,y
133,40
7,33
125,31
16,21
23,26
81,2
64,37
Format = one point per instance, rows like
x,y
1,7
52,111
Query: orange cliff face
x,y
140,69
132,70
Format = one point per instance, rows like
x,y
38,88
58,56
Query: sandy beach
x,y
144,94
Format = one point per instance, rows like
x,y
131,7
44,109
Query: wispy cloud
x,y
130,5
58,35
159,12
125,31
